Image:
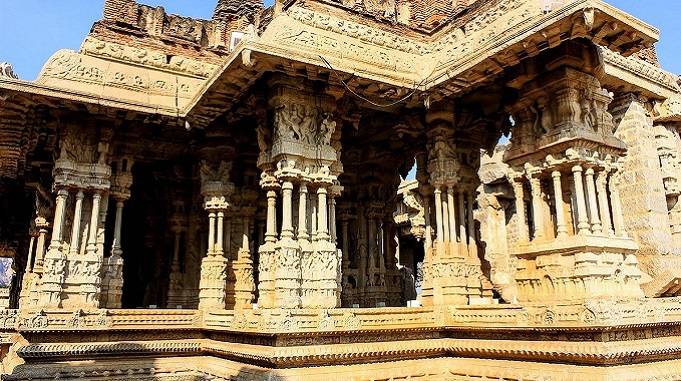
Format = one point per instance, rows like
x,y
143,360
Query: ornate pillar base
x,y
244,284
321,276
213,282
267,257
112,285
287,274
453,280
578,268
309,278
30,285
54,269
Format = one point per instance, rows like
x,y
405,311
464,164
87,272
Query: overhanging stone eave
x,y
637,76
529,39
69,96
252,54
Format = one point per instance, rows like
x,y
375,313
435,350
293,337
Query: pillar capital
x,y
216,203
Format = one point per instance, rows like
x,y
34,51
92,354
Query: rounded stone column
x,y
560,211
463,245
472,244
596,226
94,222
302,213
519,192
323,224
211,233
219,240
271,226
287,212
58,224
438,215
451,205
75,228
603,203
582,219
537,212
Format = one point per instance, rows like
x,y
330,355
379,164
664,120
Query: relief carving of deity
x,y
210,172
264,138
78,150
442,150
287,119
302,123
326,129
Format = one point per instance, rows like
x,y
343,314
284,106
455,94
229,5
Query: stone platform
x,y
595,340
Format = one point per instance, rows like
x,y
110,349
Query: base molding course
x,y
505,342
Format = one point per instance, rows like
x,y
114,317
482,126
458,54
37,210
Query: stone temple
x,y
224,199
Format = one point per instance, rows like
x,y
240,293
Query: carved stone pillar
x,y
617,213
287,274
112,284
322,210
213,283
604,205
244,287
29,281
113,277
266,264
94,222
463,246
301,148
75,227
451,205
519,192
438,215
582,218
216,190
428,239
220,239
313,216
211,233
302,213
332,218
472,243
54,264
325,266
537,211
572,130
447,238
91,265
42,225
596,226
287,215
561,224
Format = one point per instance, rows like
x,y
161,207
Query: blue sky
x,y
32,30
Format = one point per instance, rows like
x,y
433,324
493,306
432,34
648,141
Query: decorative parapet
x,y
102,76
146,57
6,70
638,74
